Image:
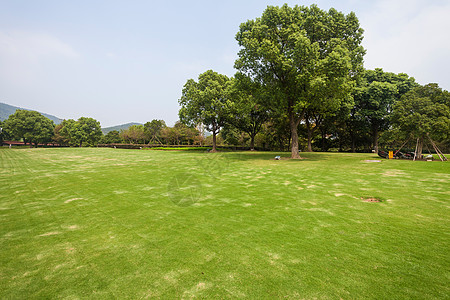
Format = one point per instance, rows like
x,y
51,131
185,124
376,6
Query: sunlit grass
x,y
136,224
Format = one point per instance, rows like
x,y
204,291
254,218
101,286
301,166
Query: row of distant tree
x,y
35,129
383,110
155,132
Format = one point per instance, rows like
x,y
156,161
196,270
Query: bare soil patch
x,y
372,199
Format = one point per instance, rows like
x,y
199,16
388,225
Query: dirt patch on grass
x,y
371,199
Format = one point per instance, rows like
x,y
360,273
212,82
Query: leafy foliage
x,y
135,134
180,134
111,137
424,111
154,129
83,131
304,55
206,102
30,126
375,97
249,109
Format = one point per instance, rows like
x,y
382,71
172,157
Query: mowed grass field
x,y
112,223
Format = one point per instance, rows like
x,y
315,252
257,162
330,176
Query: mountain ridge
x,y
6,110
119,127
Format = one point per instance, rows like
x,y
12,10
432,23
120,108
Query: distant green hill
x,y
119,127
6,110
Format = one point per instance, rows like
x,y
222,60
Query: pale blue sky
x,y
127,61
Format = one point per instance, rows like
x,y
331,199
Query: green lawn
x,y
104,223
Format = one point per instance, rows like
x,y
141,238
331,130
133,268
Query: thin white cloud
x,y
111,55
25,55
33,45
409,36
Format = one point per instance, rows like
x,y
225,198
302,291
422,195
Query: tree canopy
x,y
83,131
423,112
134,134
153,130
248,110
111,137
206,102
376,95
304,55
30,126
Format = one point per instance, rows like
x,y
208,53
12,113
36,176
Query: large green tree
x,y
58,136
206,102
83,131
112,137
317,114
423,112
179,134
375,97
154,129
304,55
135,134
65,133
30,126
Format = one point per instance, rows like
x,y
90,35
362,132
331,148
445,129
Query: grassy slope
x,y
129,223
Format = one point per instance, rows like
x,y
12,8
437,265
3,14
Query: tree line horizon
x,y
300,83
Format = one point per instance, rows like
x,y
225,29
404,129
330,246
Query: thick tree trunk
x,y
323,140
252,142
353,143
419,148
293,122
310,134
375,139
214,142
310,140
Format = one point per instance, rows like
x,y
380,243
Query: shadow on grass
x,y
285,156
270,155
